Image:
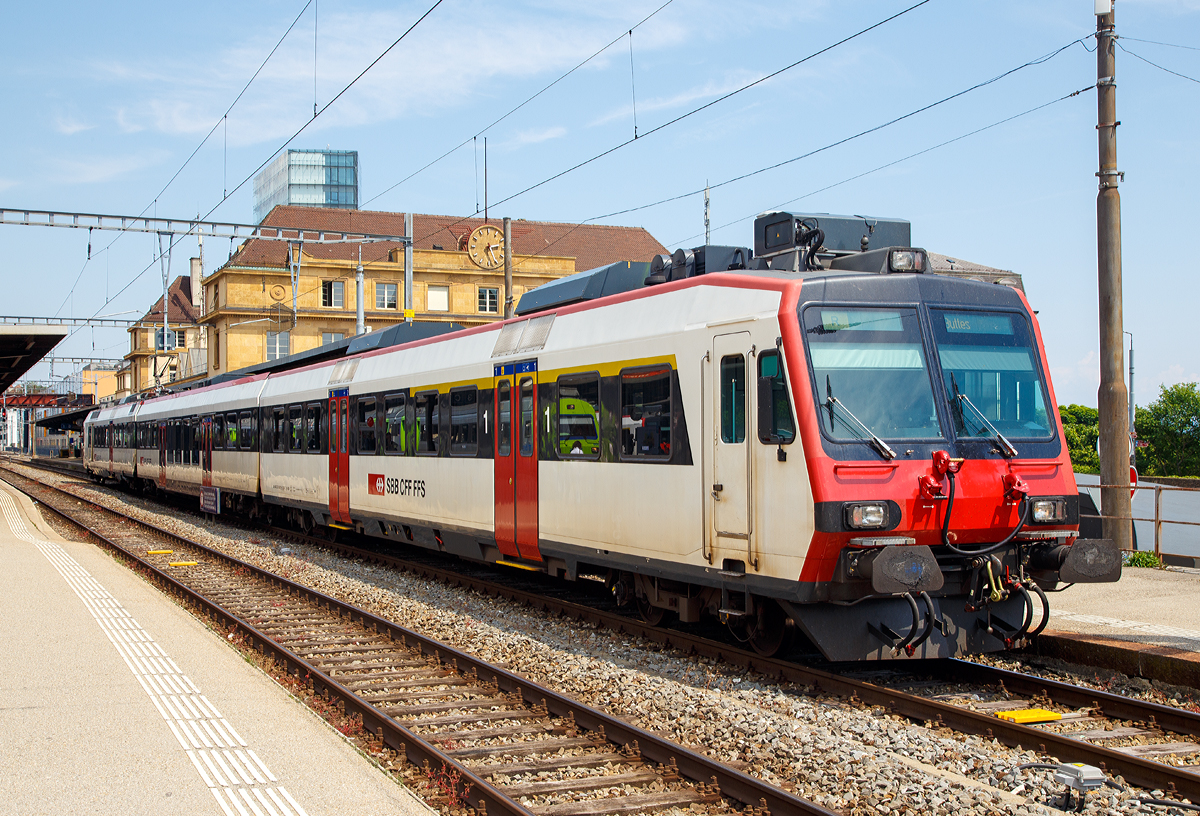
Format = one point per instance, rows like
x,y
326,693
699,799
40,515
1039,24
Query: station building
x,y
458,277
158,359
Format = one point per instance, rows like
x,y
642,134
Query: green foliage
x,y
1141,558
1171,426
1081,426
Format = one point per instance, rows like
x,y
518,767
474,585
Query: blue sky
x,y
102,108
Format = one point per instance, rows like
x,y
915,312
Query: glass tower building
x,y
308,178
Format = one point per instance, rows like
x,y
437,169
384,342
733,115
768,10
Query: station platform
x,y
115,700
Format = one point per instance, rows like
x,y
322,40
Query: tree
x,y
1081,425
1171,424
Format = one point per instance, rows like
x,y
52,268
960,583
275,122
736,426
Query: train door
x,y
729,464
206,446
162,454
339,455
516,460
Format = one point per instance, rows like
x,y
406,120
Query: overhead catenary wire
x,y
476,136
1156,65
289,140
224,119
696,110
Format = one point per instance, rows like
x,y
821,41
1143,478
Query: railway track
x,y
490,738
1139,741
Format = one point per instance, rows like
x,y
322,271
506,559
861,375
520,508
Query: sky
x,y
103,110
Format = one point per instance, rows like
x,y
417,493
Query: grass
x,y
1143,559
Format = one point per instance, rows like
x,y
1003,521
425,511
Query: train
x,y
809,440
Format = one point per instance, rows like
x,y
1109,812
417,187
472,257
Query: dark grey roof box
x,y
623,276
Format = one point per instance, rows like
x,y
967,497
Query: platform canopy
x,y
22,347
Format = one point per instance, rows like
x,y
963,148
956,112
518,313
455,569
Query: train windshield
x,y
991,371
871,362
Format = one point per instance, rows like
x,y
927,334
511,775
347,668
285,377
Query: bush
x,y
1145,559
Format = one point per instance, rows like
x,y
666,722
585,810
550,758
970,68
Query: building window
x,y
175,339
385,296
437,299
277,345
489,299
332,294
330,337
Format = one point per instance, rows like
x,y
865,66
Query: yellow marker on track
x,y
159,552
1029,715
184,563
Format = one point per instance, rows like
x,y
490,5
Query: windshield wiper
x,y
875,441
1006,447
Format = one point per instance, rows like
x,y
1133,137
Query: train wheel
x,y
651,614
768,634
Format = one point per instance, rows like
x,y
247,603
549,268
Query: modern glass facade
x,y
308,178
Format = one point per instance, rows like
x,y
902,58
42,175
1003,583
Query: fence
x,y
1175,559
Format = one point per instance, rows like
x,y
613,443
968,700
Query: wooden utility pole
x,y
1113,397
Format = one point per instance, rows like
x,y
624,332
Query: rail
x,y
1177,559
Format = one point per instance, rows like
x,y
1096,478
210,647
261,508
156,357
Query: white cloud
x,y
528,137
1171,375
100,169
69,126
6,184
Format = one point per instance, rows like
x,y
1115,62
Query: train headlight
x,y
866,515
1047,511
907,260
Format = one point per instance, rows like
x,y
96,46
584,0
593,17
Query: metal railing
x,y
1157,520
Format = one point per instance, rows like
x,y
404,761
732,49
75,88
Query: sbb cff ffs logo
x,y
379,485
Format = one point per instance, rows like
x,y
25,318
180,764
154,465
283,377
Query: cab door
x,y
728,403
339,455
516,460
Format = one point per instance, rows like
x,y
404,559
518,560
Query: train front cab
x,y
945,502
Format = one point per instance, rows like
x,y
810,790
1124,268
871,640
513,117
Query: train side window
x,y
775,423
646,413
246,429
395,432
464,421
428,423
279,433
504,420
579,416
367,421
218,434
313,415
295,429
195,426
231,432
733,399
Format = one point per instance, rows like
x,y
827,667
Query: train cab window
x,y
733,399
396,434
579,416
646,413
871,362
314,415
218,432
990,368
246,430
775,423
504,420
231,432
428,423
367,423
527,430
464,421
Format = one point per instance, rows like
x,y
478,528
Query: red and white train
x,y
810,438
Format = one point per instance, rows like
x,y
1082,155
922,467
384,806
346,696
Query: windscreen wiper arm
x,y
876,442
1006,447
